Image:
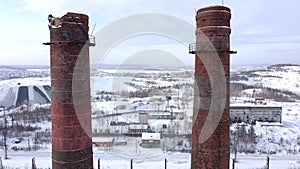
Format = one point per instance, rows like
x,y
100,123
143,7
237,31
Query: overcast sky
x,y
263,31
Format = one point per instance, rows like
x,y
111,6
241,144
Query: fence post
x,y
98,163
268,162
1,166
131,164
33,163
166,161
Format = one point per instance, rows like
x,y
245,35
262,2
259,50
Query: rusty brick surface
x,y
70,103
80,159
63,60
70,96
211,101
70,109
65,49
69,85
61,73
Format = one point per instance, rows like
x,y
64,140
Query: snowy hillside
x,y
285,77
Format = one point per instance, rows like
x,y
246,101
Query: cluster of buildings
x,y
139,122
250,113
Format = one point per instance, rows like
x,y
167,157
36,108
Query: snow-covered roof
x,y
102,140
159,113
138,126
150,136
16,92
254,106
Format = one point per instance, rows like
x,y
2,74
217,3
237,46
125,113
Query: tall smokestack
x,y
70,81
210,133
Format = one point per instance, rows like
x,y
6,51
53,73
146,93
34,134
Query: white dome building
x,y
17,92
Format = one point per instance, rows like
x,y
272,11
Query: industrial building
x,y
252,113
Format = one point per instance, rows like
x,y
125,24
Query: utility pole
x,y
178,101
253,93
12,121
168,101
5,135
5,138
136,142
236,140
29,145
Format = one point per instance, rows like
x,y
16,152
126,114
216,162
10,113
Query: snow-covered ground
x,y
109,160
281,139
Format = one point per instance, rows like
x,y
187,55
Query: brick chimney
x,y
210,133
70,83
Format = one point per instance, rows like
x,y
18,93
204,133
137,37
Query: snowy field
x,y
22,160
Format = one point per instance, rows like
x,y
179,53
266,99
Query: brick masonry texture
x,y
63,160
70,106
214,153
